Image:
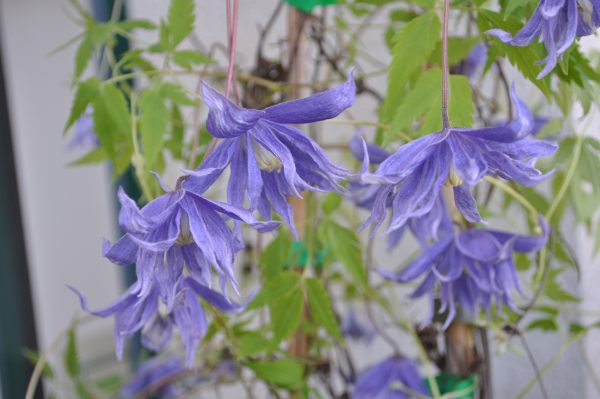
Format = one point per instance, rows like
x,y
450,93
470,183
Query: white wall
x,y
66,210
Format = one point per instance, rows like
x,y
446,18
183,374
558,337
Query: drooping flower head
x,y
270,159
180,226
557,23
427,228
470,269
177,242
155,371
393,378
412,178
148,313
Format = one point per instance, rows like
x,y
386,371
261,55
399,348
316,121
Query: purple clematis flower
x,y
356,328
411,179
155,371
270,159
147,312
557,22
470,269
176,228
393,378
426,228
176,242
84,136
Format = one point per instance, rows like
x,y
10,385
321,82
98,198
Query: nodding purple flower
x,y
357,328
155,371
270,159
176,228
411,179
176,242
470,269
426,228
394,378
84,136
557,23
148,312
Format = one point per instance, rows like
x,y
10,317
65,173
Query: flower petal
x,y
324,105
225,119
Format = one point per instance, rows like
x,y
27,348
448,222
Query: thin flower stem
x,y
551,363
138,159
536,369
568,177
445,68
43,358
516,195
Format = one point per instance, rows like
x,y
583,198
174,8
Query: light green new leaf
x,y
275,288
188,58
286,314
175,93
345,247
181,21
83,55
285,373
423,103
97,155
458,49
252,343
413,44
112,124
154,118
321,308
274,256
71,358
86,91
543,324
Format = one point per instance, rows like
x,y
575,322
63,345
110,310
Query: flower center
x,y
453,178
265,159
185,235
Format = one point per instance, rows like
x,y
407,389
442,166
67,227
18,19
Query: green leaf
x,y
154,118
175,141
93,157
308,5
34,357
252,343
423,103
286,373
274,256
543,324
321,308
71,358
181,21
188,58
83,55
112,121
458,49
109,383
275,288
131,24
83,392
286,314
85,94
175,93
413,45
331,203
345,247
